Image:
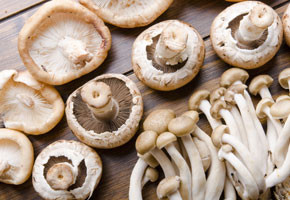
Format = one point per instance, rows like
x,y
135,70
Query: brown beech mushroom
x,y
247,34
105,112
284,78
16,157
127,13
28,105
286,24
260,85
151,174
63,41
168,187
66,170
168,55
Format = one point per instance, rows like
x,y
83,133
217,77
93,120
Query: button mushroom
x,y
127,13
247,34
286,24
16,157
168,55
66,170
28,105
105,112
63,41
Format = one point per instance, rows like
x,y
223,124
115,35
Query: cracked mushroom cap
x,y
168,55
16,157
66,170
28,105
127,13
259,82
246,54
286,25
106,111
284,78
63,41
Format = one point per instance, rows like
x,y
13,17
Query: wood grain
x,y
118,163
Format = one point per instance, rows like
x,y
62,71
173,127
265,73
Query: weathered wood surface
x,y
118,163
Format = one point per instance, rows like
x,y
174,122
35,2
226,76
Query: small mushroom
x,y
28,105
168,187
106,111
63,41
247,34
260,85
286,25
16,157
66,170
168,55
128,13
151,174
284,78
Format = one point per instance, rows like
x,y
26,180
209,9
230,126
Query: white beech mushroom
x,y
127,13
286,24
165,140
168,187
168,55
260,85
28,105
63,41
247,34
16,157
284,79
66,170
105,112
203,152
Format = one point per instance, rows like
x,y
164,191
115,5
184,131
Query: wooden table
x,y
119,162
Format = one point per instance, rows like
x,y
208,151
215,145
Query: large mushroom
x,y
168,55
66,170
16,157
63,41
247,34
286,24
105,112
128,13
28,105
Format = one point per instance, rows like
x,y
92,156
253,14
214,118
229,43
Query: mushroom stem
x,y
4,166
272,139
265,93
98,97
205,107
25,100
229,191
242,130
151,174
164,162
168,187
253,25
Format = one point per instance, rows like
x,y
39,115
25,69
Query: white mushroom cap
x,y
16,157
63,41
286,24
28,105
257,52
128,13
83,171
119,126
169,73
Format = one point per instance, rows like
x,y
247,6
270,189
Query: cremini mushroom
x,y
66,170
168,55
286,24
168,187
16,157
105,112
247,34
284,78
28,105
128,13
63,41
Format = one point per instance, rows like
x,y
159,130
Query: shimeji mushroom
x,y
168,188
286,25
247,34
66,170
260,85
284,78
204,152
16,157
105,112
63,41
128,13
28,105
151,174
168,55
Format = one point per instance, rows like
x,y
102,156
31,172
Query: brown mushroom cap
x,y
192,114
158,120
281,109
217,135
259,82
128,14
234,89
216,107
63,41
284,77
196,98
286,25
217,94
146,141
149,159
263,103
117,130
164,139
181,126
168,186
152,174
232,75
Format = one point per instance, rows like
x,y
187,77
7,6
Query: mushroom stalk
x,y
229,191
231,123
242,130
265,93
151,174
272,139
205,107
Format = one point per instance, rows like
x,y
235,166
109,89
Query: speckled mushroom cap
x,y
111,133
28,105
162,76
127,13
286,25
256,53
70,164
63,41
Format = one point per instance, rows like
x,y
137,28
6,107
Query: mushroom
x,y
66,169
151,174
204,153
286,25
128,13
260,84
168,187
105,112
229,191
28,105
16,157
168,55
281,191
284,78
63,41
247,34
